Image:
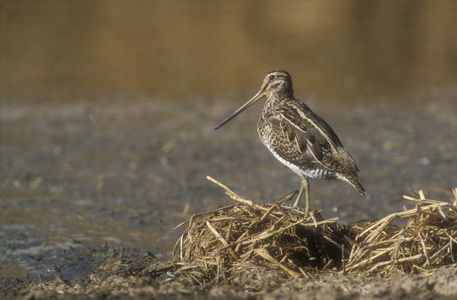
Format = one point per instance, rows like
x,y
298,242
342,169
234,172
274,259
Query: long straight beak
x,y
258,96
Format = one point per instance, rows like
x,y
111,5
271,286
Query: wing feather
x,y
317,144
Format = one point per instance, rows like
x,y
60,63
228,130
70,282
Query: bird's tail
x,y
355,182
358,185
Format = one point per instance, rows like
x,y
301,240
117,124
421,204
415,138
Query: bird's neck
x,y
276,97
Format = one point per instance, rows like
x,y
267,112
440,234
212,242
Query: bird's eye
x,y
272,77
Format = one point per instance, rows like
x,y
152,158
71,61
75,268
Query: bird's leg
x,y
303,188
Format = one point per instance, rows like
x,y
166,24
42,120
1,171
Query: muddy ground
x,y
91,193
128,274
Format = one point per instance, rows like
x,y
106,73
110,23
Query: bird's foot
x,y
296,210
285,198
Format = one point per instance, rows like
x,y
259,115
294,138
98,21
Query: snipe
x,y
298,137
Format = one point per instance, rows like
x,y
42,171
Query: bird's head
x,y
276,83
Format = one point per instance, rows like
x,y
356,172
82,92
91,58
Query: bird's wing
x,y
316,141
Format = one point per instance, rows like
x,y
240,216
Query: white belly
x,y
312,173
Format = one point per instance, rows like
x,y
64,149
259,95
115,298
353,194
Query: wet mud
x,y
86,179
128,274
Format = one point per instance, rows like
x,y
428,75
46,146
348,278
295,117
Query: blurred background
x,y
108,109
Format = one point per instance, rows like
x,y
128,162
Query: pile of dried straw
x,y
219,243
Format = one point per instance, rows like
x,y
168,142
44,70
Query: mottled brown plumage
x,y
298,137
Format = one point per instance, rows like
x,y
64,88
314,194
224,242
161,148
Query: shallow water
x,y
108,112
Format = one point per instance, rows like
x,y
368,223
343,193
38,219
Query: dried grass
x,y
216,245
426,241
